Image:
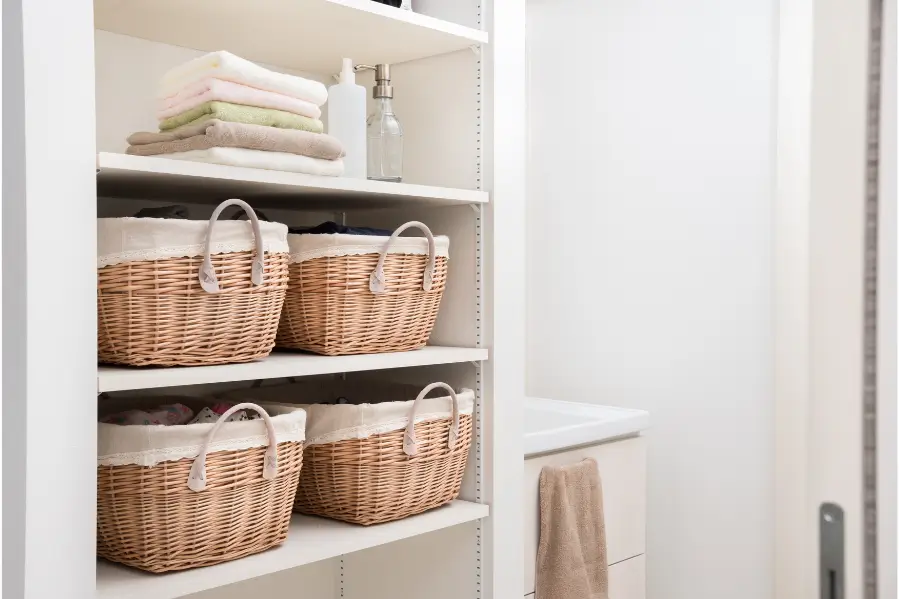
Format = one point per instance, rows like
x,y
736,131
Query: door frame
x,y
791,293
818,310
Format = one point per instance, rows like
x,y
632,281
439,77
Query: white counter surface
x,y
552,425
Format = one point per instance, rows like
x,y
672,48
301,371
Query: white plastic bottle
x,y
346,120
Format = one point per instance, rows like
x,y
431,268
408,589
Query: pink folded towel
x,y
221,134
211,88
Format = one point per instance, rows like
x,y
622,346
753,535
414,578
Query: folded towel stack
x,y
223,109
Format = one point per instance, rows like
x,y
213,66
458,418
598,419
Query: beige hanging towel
x,y
571,557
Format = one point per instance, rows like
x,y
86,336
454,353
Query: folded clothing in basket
x,y
166,415
178,413
332,228
212,414
176,211
180,212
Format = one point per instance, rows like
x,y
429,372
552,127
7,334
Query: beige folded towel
x,y
571,556
223,134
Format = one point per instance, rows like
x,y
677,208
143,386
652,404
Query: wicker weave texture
x,y
369,481
149,519
329,308
155,312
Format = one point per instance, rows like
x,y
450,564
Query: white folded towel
x,y
275,161
226,66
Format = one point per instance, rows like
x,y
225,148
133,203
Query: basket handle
x,y
196,481
208,280
376,282
410,443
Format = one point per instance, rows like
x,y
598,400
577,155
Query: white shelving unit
x,y
278,365
311,540
142,177
298,34
458,71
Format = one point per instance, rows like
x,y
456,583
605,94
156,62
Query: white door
x,y
835,302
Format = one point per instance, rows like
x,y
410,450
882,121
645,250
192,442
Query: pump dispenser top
x,y
382,88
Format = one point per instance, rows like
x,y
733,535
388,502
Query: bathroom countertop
x,y
552,425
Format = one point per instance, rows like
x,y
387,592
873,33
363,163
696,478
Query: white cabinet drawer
x,y
622,468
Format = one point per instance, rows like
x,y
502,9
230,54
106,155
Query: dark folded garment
x,y
330,228
326,228
162,212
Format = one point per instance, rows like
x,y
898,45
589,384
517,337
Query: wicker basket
x,y
363,294
194,302
218,506
390,475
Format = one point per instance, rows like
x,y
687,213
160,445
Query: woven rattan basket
x,y
191,512
209,308
390,475
365,295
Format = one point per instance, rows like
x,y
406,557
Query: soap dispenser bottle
x,y
384,132
346,120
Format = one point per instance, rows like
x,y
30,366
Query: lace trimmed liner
x,y
329,423
120,445
122,240
366,431
309,247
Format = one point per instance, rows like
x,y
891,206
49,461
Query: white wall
x,y
649,260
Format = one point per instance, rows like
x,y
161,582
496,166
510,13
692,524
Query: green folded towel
x,y
238,113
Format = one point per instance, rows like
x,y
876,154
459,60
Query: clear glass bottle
x,y
385,143
384,134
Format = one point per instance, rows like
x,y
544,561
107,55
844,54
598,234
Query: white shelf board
x,y
278,365
308,35
143,177
310,540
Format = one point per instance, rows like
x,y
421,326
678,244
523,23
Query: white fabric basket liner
x,y
328,245
121,445
329,423
121,240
